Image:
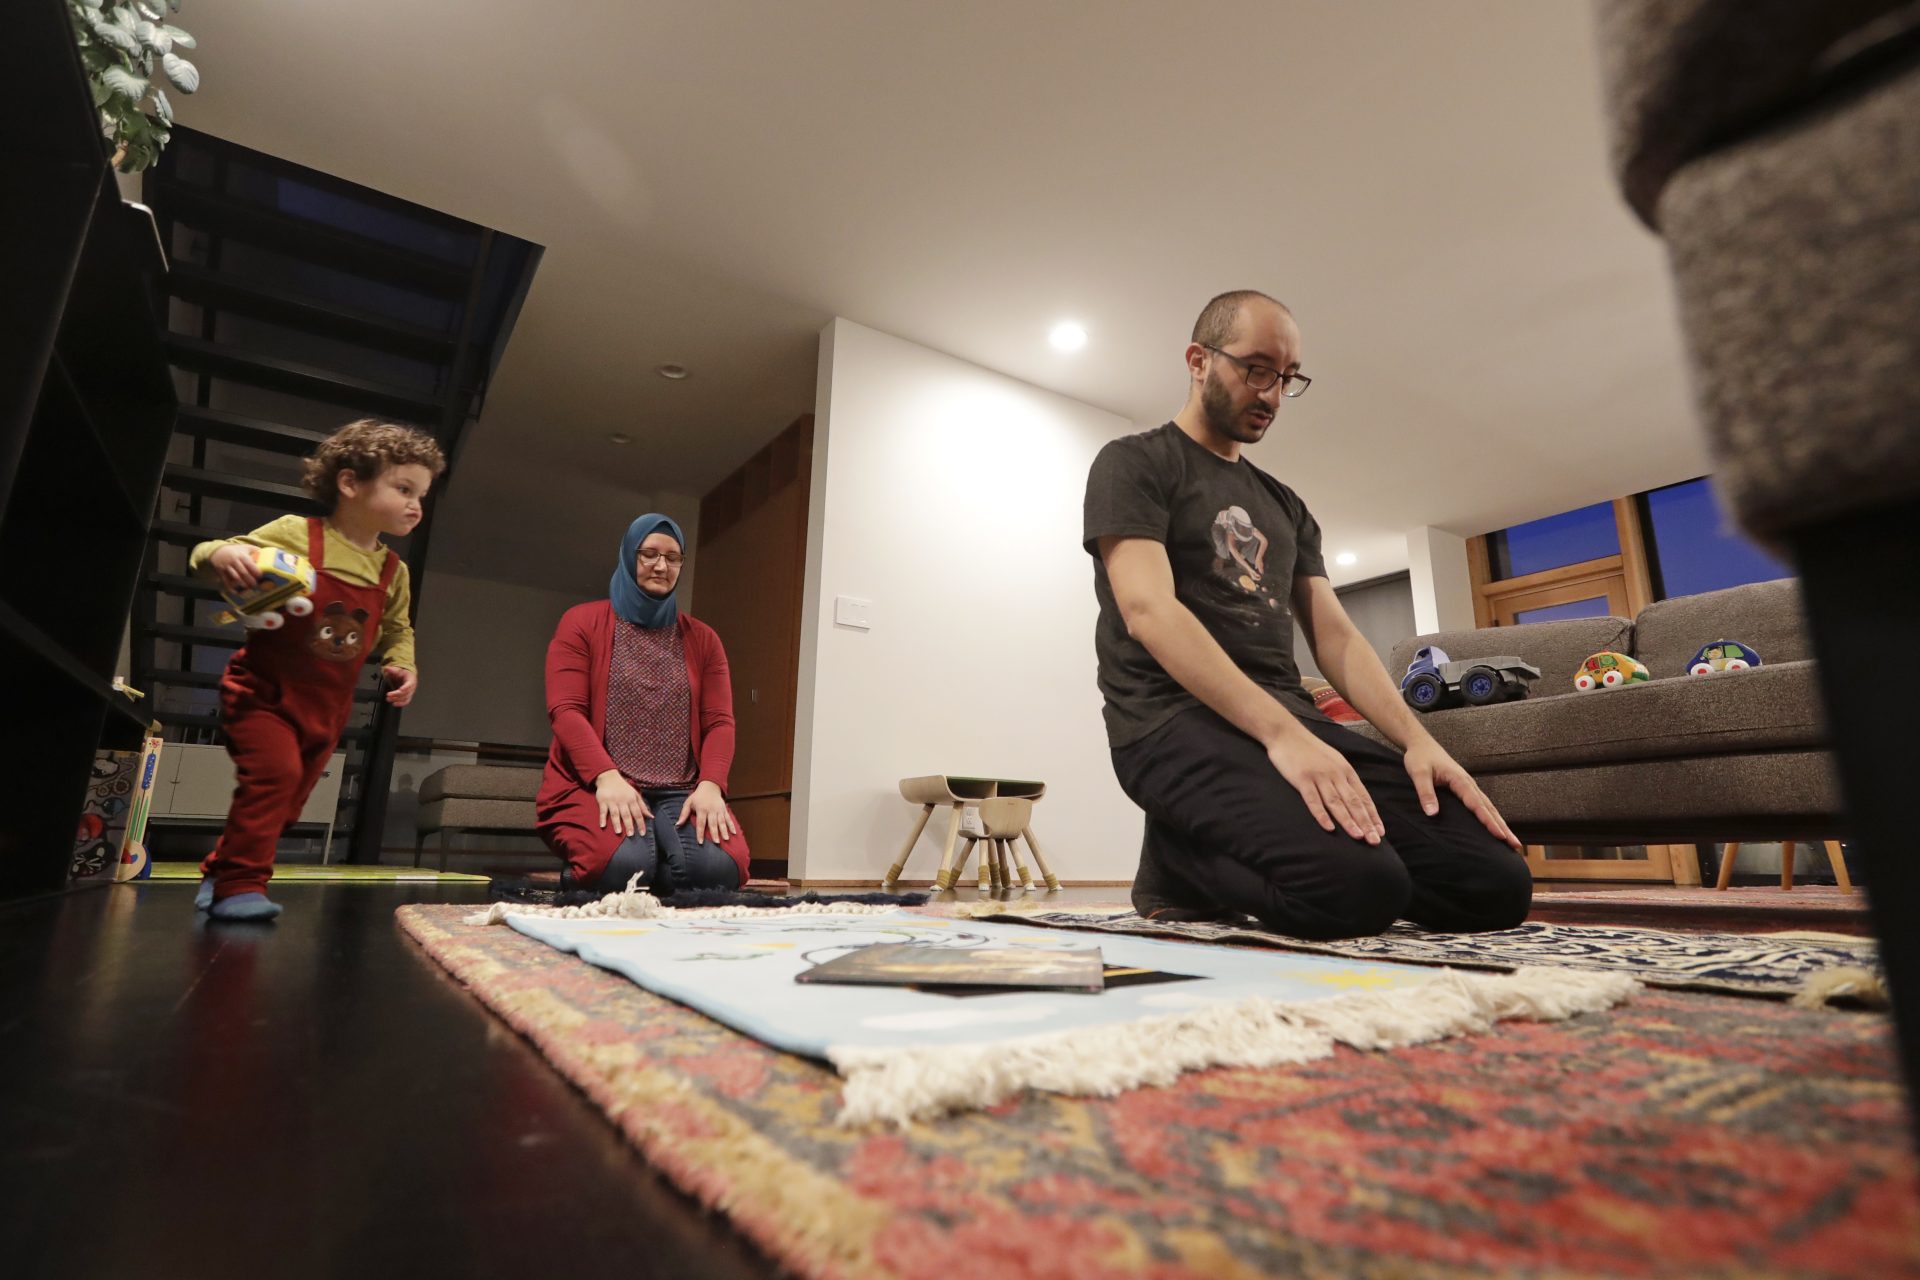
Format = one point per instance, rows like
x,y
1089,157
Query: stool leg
x,y
1786,865
900,863
945,879
1040,860
960,863
1019,866
1727,856
1002,868
986,865
1838,862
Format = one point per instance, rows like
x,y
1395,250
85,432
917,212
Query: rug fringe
x,y
635,903
1848,981
899,1085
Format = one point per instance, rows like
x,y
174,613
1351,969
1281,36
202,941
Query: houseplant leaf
x,y
185,76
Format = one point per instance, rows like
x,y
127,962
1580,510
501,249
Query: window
x,y
1695,547
1592,607
1572,537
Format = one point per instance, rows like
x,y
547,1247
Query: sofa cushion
x,y
476,815
1768,616
1771,795
1557,648
493,781
1769,708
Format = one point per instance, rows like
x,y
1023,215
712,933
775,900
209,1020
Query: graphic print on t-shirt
x,y
1240,557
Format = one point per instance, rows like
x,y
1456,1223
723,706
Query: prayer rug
x,y
910,1053
1678,1134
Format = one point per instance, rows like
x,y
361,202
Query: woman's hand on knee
x,y
621,805
707,809
1332,790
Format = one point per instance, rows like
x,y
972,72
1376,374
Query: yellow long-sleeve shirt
x,y
346,561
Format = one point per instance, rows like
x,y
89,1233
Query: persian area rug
x,y
914,1052
1678,1134
1814,966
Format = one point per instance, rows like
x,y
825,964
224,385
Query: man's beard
x,y
1217,403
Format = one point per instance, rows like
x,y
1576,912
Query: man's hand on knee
x,y
1430,767
1328,784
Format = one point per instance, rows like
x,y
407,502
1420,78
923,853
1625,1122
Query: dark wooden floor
x,y
308,1098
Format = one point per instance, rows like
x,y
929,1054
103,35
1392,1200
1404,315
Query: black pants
x,y
1225,830
667,857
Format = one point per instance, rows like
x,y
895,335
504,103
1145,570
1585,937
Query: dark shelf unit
x,y
86,412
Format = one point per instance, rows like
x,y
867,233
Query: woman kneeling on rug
x,y
642,712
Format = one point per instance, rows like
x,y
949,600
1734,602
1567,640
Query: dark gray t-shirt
x,y
1236,539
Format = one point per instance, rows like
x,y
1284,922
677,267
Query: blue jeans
x,y
667,857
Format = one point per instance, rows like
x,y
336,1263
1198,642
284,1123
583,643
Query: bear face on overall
x,y
337,632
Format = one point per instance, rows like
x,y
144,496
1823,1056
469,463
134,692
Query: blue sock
x,y
244,906
203,896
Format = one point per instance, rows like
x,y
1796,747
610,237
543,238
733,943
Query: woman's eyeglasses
x,y
673,558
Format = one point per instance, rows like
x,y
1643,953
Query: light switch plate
x,y
851,611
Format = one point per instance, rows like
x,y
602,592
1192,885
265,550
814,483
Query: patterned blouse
x,y
650,707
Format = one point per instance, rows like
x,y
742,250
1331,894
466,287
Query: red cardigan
x,y
578,661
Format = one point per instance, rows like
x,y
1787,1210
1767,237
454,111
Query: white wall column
x,y
1442,584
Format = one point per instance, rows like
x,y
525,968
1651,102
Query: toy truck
x,y
284,589
1434,680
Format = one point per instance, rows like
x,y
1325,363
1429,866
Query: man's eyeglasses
x,y
1260,376
673,558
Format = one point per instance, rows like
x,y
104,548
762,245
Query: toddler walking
x,y
287,693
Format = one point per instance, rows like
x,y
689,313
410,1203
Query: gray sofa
x,y
481,799
1735,755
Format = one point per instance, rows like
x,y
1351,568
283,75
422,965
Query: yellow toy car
x,y
1609,670
285,588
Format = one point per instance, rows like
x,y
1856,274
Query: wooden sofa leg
x,y
1727,855
1838,861
446,834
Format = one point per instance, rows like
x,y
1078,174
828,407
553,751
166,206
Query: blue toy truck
x,y
1434,680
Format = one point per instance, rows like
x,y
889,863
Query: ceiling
x,y
1490,333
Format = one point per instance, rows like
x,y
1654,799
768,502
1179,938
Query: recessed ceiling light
x,y
1067,336
620,437
1346,558
673,372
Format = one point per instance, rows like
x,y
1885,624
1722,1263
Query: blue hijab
x,y
642,608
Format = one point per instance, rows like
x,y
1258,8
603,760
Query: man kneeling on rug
x,y
1256,803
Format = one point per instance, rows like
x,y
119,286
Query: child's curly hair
x,y
367,448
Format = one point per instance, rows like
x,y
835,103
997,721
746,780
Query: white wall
x,y
1441,580
482,648
950,497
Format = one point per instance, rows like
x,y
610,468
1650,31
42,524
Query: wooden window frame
x,y
1627,570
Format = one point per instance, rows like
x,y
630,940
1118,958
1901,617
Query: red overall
x,y
284,700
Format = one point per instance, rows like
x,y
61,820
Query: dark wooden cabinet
x,y
86,411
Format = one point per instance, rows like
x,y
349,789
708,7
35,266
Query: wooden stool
x,y
1834,860
1002,822
955,793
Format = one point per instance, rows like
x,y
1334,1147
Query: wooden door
x,y
752,555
